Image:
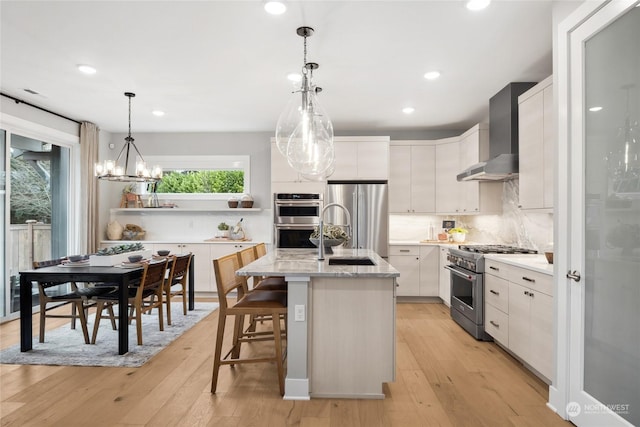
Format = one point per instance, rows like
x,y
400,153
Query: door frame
x,y
566,395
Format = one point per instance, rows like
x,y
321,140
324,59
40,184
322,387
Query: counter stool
x,y
272,303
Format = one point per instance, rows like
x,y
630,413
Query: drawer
x,y
532,279
496,324
496,292
496,268
404,250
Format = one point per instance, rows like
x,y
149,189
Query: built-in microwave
x,y
297,208
293,235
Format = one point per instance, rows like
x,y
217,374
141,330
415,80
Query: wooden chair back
x,y
152,277
246,257
226,280
179,269
260,249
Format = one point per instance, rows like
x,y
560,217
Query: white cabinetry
x,y
447,187
285,179
361,158
444,277
536,146
412,178
406,259
418,266
519,313
202,266
429,261
468,197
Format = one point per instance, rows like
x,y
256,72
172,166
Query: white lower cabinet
x,y
519,313
444,277
202,269
418,267
406,259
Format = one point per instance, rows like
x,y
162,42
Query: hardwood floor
x,y
444,378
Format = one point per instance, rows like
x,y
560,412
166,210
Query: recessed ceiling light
x,y
477,4
294,77
408,110
86,69
432,75
157,113
275,7
595,109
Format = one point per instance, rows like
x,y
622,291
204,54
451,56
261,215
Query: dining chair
x,y
142,298
176,283
273,303
260,250
50,298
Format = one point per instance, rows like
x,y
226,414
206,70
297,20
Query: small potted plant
x,y
223,229
458,234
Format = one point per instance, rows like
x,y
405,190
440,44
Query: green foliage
x,y
30,195
216,181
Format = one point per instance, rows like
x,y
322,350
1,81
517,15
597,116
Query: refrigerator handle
x,y
354,219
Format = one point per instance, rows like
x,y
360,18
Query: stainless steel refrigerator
x,y
368,204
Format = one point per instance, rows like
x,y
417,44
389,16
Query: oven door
x,y
293,236
297,212
466,293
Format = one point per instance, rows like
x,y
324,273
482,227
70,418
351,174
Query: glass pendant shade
x,y
309,146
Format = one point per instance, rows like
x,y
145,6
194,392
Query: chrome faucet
x,y
321,227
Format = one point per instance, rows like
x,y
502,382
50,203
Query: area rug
x,y
65,346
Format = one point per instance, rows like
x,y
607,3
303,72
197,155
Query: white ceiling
x,y
221,66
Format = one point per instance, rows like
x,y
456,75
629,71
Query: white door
x,y
603,219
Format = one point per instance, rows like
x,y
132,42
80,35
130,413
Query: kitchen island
x,y
341,322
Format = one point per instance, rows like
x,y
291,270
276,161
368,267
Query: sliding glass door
x,y
35,197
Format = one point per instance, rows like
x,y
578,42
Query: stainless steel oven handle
x,y
459,273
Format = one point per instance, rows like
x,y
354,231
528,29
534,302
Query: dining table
x,y
116,275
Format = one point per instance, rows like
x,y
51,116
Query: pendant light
x,y
304,133
112,170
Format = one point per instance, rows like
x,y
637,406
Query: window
x,y
201,177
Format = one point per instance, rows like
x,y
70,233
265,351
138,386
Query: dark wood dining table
x,y
121,277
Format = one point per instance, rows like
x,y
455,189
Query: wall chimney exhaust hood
x,y
503,138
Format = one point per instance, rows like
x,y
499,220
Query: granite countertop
x,y
304,263
184,241
533,262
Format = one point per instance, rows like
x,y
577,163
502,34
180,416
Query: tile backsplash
x,y
514,227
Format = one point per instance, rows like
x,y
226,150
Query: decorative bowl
x,y
163,252
75,258
328,243
134,258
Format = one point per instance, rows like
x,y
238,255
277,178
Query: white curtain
x,y
89,142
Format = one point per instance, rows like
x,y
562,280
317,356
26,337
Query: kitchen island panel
x,y
352,345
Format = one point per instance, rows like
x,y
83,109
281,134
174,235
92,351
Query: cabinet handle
x,y
494,268
526,292
531,294
404,250
494,292
528,279
497,325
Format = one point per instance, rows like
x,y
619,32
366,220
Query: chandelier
x,y
118,170
304,133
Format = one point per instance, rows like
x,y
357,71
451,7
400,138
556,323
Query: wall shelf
x,y
180,210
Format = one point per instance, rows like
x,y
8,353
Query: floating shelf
x,y
180,210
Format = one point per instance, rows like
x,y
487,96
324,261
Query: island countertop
x,y
304,263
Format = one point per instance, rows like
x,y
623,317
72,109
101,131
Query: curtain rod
x,y
20,101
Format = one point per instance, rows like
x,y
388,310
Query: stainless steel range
x,y
467,284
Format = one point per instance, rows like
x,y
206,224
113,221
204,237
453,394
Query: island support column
x,y
296,386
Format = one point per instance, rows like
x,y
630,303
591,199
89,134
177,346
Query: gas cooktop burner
x,y
496,249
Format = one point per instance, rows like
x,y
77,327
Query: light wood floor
x,y
444,377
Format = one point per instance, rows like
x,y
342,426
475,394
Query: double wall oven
x,y
467,284
295,215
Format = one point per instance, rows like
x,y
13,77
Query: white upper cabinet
x,y
361,158
536,145
448,189
412,178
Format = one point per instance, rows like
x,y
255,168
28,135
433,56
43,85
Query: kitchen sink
x,y
344,260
